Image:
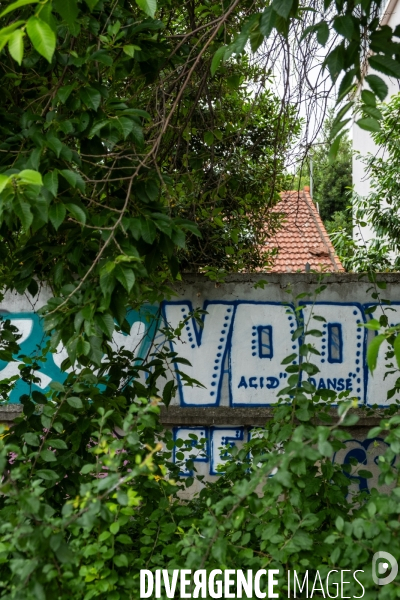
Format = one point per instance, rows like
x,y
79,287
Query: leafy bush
x,y
90,495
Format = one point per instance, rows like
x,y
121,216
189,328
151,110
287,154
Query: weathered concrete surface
x,y
256,417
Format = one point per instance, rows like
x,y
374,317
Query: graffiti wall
x,y
21,311
249,326
237,353
207,449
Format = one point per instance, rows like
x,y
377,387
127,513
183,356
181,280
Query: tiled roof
x,y
302,238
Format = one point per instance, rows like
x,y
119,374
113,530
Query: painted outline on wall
x,y
192,329
265,342
360,358
32,341
291,315
217,457
373,334
335,343
203,433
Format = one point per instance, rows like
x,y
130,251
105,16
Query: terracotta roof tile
x,y
302,238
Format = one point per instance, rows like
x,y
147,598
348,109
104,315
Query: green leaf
x,y
167,392
364,473
16,5
32,439
23,211
256,39
137,134
148,6
68,10
218,56
73,178
374,432
339,523
325,448
314,332
373,324
121,560
130,49
123,539
368,98
369,124
4,179
346,85
344,26
57,214
42,37
378,86
98,126
83,347
373,350
16,45
30,177
125,125
48,456
209,138
57,386
54,143
47,474
114,528
289,359
282,7
50,182
90,97
39,398
322,33
107,283
233,82
267,21
106,324
396,347
75,402
6,31
77,212
385,65
102,56
125,276
57,443
91,3
64,92
338,124
88,468
335,62
333,150
148,230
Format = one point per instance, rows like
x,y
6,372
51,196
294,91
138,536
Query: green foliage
x,y
380,208
89,495
357,255
102,196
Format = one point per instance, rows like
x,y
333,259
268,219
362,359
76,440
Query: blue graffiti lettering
x,y
332,384
340,385
252,382
242,382
273,383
